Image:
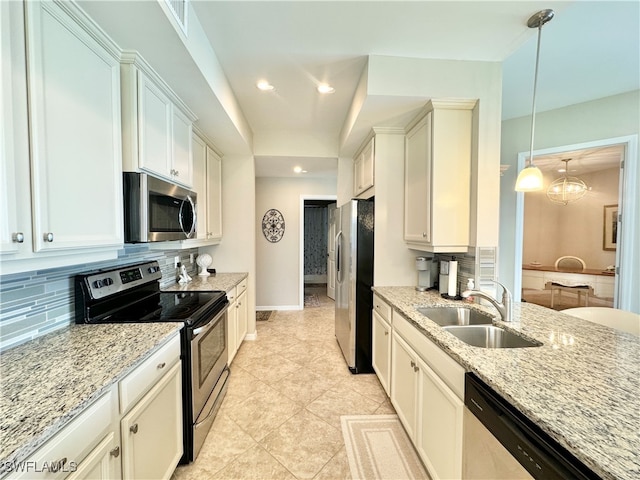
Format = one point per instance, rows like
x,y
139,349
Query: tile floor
x,y
281,415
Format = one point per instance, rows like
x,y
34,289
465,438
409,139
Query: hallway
x,y
281,415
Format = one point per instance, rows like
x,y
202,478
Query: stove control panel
x,y
104,283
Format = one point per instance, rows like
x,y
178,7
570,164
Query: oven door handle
x,y
212,323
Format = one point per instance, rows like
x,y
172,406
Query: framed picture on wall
x,y
610,228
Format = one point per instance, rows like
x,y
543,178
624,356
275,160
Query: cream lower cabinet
x,y
404,383
440,421
381,350
89,447
152,431
427,388
237,318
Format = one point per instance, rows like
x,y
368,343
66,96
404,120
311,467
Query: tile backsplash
x,y
35,303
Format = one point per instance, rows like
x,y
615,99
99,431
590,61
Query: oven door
x,y
209,356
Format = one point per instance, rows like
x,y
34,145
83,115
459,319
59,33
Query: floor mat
x,y
378,448
311,300
263,315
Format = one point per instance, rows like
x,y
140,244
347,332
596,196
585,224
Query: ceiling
x,y
582,161
591,49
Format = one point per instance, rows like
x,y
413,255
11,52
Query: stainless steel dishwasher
x,y
501,443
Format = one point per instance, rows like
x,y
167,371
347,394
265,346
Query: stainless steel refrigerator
x,y
354,279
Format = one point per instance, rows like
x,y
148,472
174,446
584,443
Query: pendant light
x,y
566,189
530,178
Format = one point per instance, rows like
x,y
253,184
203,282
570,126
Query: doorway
x,y
580,226
316,275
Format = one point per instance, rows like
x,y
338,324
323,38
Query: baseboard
x,y
251,336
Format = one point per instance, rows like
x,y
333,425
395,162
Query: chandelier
x,y
566,189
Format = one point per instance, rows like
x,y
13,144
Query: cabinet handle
x,y
386,333
59,465
161,365
413,364
134,428
416,368
176,173
424,234
17,237
48,237
115,452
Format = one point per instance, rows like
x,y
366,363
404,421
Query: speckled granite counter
x,y
219,281
582,386
46,382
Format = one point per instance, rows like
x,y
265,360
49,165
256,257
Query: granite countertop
x,y
218,281
582,386
48,381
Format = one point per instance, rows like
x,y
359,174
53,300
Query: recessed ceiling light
x,y
325,88
265,86
298,169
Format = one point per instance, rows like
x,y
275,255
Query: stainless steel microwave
x,y
156,210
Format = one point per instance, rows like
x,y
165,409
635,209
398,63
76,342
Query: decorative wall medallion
x,y
273,225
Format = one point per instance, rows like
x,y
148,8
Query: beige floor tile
x,y
262,412
272,368
336,402
337,468
385,408
242,385
255,464
303,444
303,386
367,385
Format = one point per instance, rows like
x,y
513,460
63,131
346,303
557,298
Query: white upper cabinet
x,y
157,125
207,182
438,177
364,168
65,175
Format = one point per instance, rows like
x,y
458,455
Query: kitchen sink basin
x,y
489,336
444,316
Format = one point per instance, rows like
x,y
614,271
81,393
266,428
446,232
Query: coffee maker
x,y
423,265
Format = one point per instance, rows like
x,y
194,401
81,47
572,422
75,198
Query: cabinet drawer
x,y
136,384
231,295
450,371
241,287
382,307
67,448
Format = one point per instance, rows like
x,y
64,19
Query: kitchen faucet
x,y
505,308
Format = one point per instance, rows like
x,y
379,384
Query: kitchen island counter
x,y
48,381
582,386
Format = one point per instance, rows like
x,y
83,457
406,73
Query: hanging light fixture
x,y
530,178
566,189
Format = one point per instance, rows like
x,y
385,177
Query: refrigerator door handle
x,y
338,248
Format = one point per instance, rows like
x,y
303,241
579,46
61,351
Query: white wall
x,y
605,118
552,230
278,264
394,263
236,252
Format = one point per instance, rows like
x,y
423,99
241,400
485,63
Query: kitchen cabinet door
x,y
404,383
381,350
438,177
440,421
232,324
75,132
364,166
154,127
181,148
199,156
152,431
103,463
241,319
214,195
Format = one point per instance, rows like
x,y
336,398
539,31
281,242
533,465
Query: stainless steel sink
x,y
489,336
456,316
